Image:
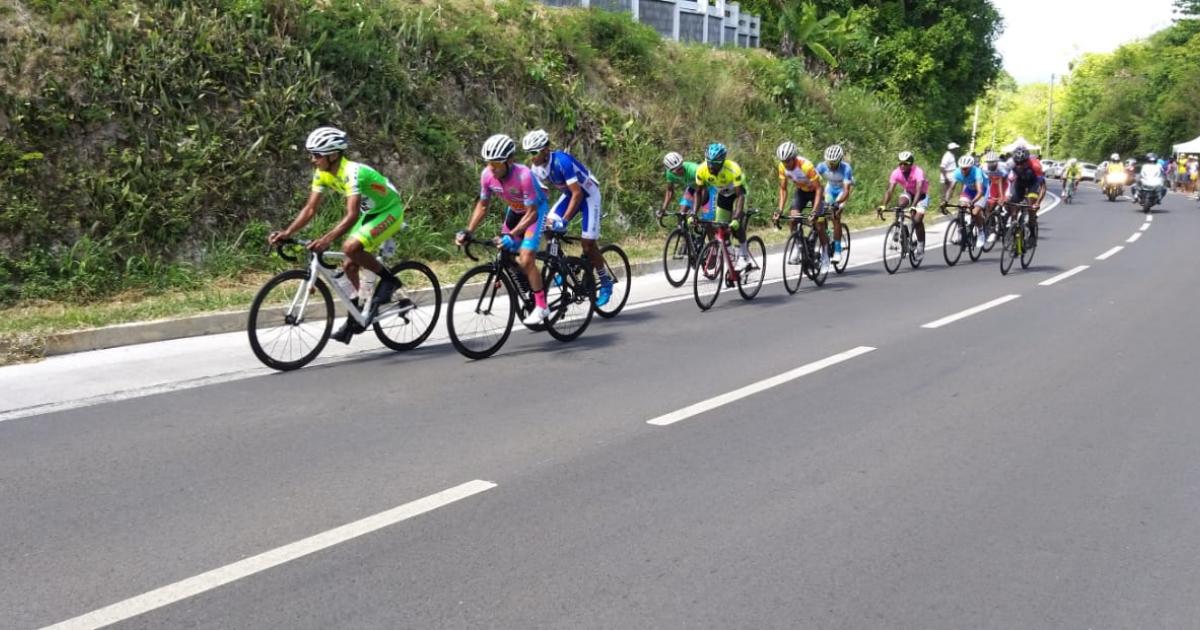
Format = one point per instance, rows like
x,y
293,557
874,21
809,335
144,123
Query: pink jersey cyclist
x,y
521,192
914,185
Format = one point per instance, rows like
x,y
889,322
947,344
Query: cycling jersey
x,y
997,180
1072,172
913,184
974,183
1026,180
381,210
726,182
520,192
561,170
804,175
836,179
687,180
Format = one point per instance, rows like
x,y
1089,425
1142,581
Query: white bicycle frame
x,y
317,270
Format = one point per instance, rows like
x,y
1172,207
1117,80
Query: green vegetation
x,y
150,146
1008,111
1141,97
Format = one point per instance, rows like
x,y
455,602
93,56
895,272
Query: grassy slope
x,y
155,143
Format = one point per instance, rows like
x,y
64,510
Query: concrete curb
x,y
229,321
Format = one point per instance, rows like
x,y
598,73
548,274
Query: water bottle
x,y
366,285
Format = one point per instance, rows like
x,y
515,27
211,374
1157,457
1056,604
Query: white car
x,y
1087,170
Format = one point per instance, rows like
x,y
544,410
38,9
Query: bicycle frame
x,y
319,268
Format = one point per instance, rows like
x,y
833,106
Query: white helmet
x,y
905,157
498,148
786,151
326,140
535,140
1114,158
966,161
672,160
991,156
834,153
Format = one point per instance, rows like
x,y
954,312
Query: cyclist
x,y
1071,177
682,174
522,231
1028,181
996,170
914,193
839,183
724,177
974,193
580,195
374,213
806,182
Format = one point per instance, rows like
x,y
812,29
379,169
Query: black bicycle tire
x,y
1007,253
435,289
493,275
1030,248
577,276
674,239
793,243
914,260
993,227
888,239
256,306
704,253
840,267
608,311
948,245
760,261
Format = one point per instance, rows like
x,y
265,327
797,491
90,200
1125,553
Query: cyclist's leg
x,y
819,218
590,233
918,214
530,241
367,236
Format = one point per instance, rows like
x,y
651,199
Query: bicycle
x,y
684,242
715,266
620,281
801,254
839,266
1020,238
961,234
1068,191
900,241
493,293
284,304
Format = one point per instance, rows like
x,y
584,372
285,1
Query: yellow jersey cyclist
x,y
724,178
798,173
374,213
839,183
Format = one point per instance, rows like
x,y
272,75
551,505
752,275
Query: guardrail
x,y
719,23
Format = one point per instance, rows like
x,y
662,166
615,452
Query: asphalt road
x,y
1031,465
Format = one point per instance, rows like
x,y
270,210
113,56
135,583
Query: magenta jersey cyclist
x,y
914,184
521,192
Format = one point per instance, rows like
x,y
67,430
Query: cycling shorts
x,y
801,199
921,205
373,230
532,237
966,201
589,208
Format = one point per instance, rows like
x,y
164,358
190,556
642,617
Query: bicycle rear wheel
x,y
417,304
709,275
952,242
287,327
1029,245
840,267
750,281
481,310
974,250
677,257
993,227
793,263
616,265
894,245
915,254
571,302
812,259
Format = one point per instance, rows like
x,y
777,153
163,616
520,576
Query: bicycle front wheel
x,y
709,275
571,301
1029,245
290,320
616,265
1008,250
894,244
952,243
677,257
409,318
480,314
750,281
840,266
793,263
915,254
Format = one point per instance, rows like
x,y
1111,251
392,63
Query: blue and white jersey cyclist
x,y
975,184
839,183
580,196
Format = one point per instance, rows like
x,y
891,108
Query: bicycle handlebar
x,y
280,245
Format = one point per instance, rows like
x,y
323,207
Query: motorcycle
x,y
1149,189
1114,185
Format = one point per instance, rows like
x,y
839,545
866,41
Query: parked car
x,y
1087,170
1052,168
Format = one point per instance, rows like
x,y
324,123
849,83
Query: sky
x,y
1043,36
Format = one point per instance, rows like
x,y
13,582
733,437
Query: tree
x,y
803,33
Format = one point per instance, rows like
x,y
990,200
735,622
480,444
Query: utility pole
x,y
995,118
1049,116
974,128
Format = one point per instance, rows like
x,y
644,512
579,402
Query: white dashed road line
x,y
1062,276
189,587
1145,226
1108,254
754,388
1134,238
949,319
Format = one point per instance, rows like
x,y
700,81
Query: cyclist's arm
x,y
783,194
306,214
887,196
667,198
980,190
353,203
739,203
845,196
573,204
477,215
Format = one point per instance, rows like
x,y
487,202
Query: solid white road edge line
x,y
189,587
1108,254
754,388
971,311
1136,236
1145,226
1062,276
